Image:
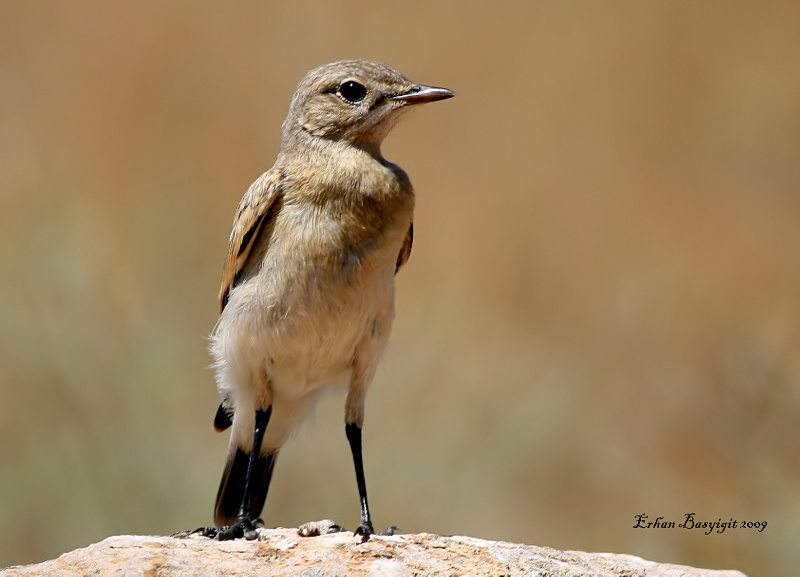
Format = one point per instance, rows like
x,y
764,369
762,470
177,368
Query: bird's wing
x,y
405,250
251,217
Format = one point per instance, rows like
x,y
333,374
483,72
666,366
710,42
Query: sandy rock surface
x,y
285,552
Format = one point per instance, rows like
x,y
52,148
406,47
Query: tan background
x,y
601,316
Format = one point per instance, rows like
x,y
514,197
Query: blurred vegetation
x,y
601,316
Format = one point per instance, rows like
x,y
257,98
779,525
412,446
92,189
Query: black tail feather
x,y
231,488
224,417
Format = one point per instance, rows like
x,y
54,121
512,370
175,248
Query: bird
x,y
308,283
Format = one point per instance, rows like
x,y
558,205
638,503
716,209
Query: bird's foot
x,y
242,528
326,527
365,530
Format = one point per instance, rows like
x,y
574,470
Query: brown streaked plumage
x,y
250,216
307,294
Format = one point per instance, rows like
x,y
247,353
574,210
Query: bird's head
x,y
354,101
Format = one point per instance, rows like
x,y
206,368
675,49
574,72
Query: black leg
x,y
244,526
354,438
262,420
231,487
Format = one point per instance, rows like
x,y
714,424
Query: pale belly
x,y
296,324
287,354
303,333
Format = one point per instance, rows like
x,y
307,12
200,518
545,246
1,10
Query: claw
x,y
242,528
204,531
365,530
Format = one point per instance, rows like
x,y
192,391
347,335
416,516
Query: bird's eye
x,y
352,91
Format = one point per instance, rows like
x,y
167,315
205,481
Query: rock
x,y
284,552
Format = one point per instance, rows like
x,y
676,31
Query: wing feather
x,y
251,216
405,250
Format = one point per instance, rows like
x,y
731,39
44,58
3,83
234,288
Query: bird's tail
x,y
231,488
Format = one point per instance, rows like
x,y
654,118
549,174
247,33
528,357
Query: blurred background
x,y
600,318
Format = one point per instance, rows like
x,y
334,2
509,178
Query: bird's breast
x,y
324,287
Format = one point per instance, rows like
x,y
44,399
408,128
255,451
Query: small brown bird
x,y
307,297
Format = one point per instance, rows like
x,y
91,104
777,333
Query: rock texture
x,y
284,552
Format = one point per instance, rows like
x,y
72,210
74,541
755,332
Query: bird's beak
x,y
420,94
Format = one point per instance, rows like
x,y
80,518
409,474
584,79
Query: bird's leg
x,y
353,432
244,526
262,420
